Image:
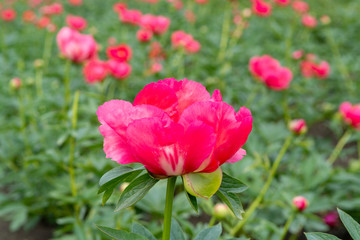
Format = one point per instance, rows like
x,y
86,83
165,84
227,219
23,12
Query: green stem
x,y
252,95
212,221
67,85
23,124
358,143
72,147
286,106
339,146
47,49
287,225
168,207
224,35
259,198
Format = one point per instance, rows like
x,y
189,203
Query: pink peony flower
x,y
180,39
331,219
201,1
121,52
297,54
259,65
300,203
144,35
308,21
76,22
156,24
76,46
53,9
300,7
156,67
95,71
174,128
130,16
311,69
29,16
119,69
119,6
8,15
351,114
282,2
261,8
298,126
75,2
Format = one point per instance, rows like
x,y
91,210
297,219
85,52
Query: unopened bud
x,y
300,203
325,19
15,83
298,126
221,210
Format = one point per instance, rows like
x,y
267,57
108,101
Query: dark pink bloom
x,y
156,67
174,128
28,16
8,15
300,203
308,21
130,16
300,7
119,69
95,71
351,114
156,24
261,8
202,1
259,65
192,46
76,46
144,35
311,69
331,219
43,22
298,126
75,2
121,52
278,79
119,6
180,39
53,9
76,22
282,2
297,54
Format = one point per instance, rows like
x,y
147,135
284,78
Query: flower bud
x,y
38,63
298,126
300,203
123,186
15,83
221,210
325,19
331,219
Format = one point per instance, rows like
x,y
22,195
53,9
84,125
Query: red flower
x,y
144,35
28,16
75,2
8,15
130,16
118,69
300,7
351,114
282,2
308,21
300,203
156,24
261,8
311,69
174,128
120,52
180,39
95,71
76,22
298,126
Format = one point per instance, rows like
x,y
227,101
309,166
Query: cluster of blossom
x,y
269,71
181,39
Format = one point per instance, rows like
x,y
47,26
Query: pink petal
x,y
237,156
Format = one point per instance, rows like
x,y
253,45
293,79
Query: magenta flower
x,y
76,46
174,128
351,114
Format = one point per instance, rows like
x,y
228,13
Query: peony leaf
x,y
136,191
351,225
320,236
143,231
232,201
120,235
212,233
230,184
193,201
203,184
176,231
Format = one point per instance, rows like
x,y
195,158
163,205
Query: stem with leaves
x,y
339,146
259,198
287,225
168,207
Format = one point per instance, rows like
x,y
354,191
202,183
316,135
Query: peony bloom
x,y
76,46
282,2
121,52
29,16
144,35
297,54
261,8
156,51
53,9
351,114
43,22
269,71
8,15
130,16
310,69
201,1
75,2
308,21
156,67
76,22
300,203
95,71
174,128
180,39
300,7
298,126
118,69
156,24
119,6
331,219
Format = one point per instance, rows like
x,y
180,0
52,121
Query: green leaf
x,y
136,191
120,235
116,176
203,184
232,201
107,195
176,231
242,238
320,236
212,233
143,231
230,184
351,225
193,201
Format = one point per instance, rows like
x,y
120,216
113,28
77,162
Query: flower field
x,y
180,119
